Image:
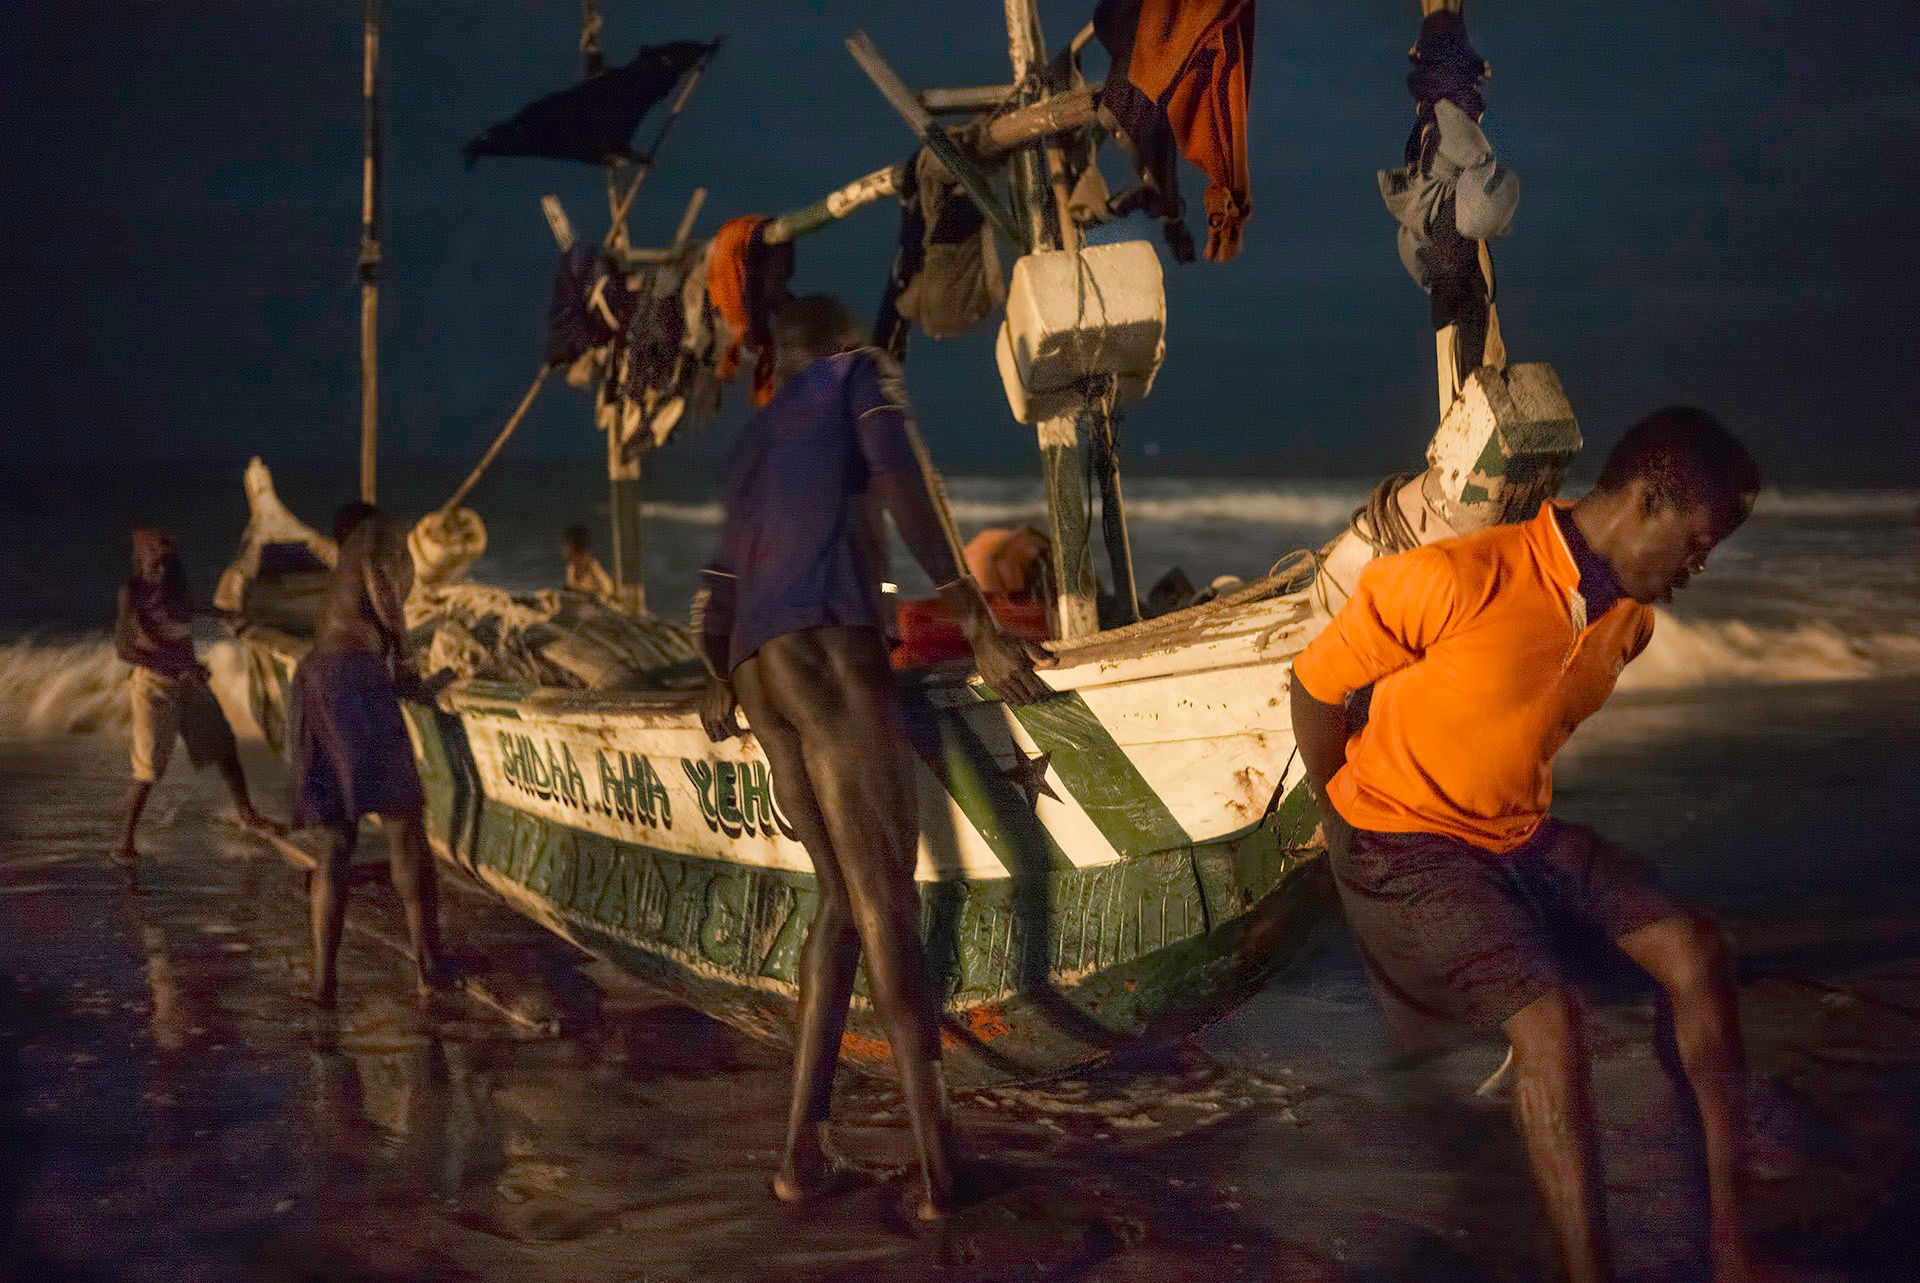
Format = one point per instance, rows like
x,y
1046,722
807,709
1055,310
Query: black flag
x,y
596,118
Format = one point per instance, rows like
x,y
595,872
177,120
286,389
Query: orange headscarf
x,y
731,289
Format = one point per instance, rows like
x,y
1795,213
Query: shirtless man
x,y
1485,652
790,621
351,753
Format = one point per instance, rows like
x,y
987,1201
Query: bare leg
x,y
1690,959
418,884
1553,1106
136,803
328,908
829,959
236,779
835,686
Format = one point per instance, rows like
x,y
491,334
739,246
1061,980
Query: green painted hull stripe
x,y
991,801
1100,775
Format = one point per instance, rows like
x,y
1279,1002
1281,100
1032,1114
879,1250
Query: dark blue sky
x,y
1718,206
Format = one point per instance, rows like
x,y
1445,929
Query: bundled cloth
x,y
594,120
660,383
1184,68
746,279
565,639
637,340
592,303
946,269
1451,192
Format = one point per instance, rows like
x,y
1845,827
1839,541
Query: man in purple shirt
x,y
790,619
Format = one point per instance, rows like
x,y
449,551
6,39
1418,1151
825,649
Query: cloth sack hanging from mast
x,y
1451,195
1463,190
1187,66
947,271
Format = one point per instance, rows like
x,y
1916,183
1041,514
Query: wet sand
x,y
169,1108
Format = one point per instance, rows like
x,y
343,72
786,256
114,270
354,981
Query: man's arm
x,y
1320,731
1400,606
127,635
1006,663
712,621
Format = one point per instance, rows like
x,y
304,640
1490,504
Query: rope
x,y
473,478
1387,530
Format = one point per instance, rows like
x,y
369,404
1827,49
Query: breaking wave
x,y
985,502
79,687
1896,504
1700,652
979,501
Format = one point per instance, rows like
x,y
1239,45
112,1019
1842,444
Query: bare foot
x,y
126,855
789,1187
439,976
322,996
815,1171
255,822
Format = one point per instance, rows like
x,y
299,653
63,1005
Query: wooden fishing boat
x,y
1123,861
1120,862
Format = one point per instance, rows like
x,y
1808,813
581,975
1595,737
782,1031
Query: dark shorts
x,y
351,753
1455,933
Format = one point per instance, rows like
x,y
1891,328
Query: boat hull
x,y
1068,913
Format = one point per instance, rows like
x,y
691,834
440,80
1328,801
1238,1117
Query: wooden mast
x,y
1062,465
623,475
369,265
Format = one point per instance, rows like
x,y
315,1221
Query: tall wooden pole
x,y
623,475
1062,460
370,254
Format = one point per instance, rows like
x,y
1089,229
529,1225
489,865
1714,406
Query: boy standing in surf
x,y
1485,652
153,632
790,620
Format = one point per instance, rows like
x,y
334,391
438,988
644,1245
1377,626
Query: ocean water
x,y
1822,585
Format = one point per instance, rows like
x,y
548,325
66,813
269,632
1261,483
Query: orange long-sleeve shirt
x,y
1482,662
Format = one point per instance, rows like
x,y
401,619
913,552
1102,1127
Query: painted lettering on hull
x,y
743,921
626,785
737,798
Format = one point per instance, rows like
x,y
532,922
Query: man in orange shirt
x,y
1484,652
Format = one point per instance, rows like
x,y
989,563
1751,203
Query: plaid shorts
x,y
1452,932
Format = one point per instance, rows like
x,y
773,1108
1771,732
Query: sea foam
x,y
79,687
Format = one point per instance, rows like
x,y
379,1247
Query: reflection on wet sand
x,y
169,1109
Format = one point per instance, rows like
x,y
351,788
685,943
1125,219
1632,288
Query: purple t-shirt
x,y
794,549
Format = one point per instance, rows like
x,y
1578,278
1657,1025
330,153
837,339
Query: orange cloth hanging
x,y
730,287
1193,61
1000,560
